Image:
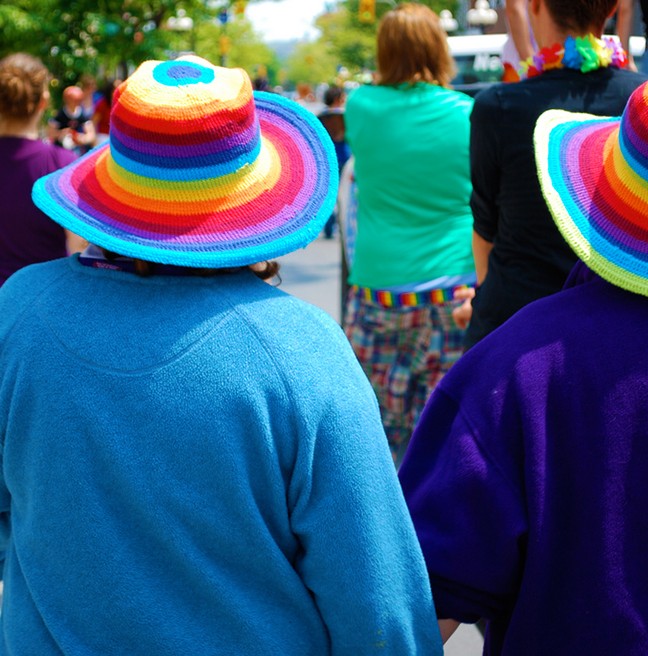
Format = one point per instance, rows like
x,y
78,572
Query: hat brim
x,y
597,201
299,196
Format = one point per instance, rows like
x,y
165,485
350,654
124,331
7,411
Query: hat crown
x,y
633,132
183,120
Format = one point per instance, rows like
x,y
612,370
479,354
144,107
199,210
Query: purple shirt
x,y
26,234
527,478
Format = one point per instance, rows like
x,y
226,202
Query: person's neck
x,y
552,34
20,129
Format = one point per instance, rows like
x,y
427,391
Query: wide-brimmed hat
x,y
594,175
199,171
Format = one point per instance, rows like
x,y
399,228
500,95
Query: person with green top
x,y
409,135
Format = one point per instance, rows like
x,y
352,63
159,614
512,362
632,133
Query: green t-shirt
x,y
412,169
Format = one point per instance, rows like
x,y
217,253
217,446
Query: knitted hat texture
x,y
594,175
199,170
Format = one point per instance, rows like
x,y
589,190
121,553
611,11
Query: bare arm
x,y
447,628
481,251
519,28
462,314
88,136
624,28
54,132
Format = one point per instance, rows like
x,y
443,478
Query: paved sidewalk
x,y
466,641
313,274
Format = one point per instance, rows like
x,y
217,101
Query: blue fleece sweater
x,y
195,466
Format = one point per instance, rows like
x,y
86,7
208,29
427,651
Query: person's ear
x,y
44,102
534,7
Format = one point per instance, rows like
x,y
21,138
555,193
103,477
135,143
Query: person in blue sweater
x,y
193,461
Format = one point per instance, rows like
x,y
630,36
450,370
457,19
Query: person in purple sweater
x,y
526,476
27,235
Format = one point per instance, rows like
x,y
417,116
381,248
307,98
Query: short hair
x,y
143,268
108,89
72,93
413,47
579,16
23,81
87,81
333,94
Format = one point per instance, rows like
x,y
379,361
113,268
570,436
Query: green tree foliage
x,y
93,36
311,62
17,25
350,42
353,43
236,45
77,36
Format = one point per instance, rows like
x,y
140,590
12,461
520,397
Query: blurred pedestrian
x,y
184,446
307,99
332,119
519,254
71,128
526,476
260,81
101,117
409,137
91,94
27,235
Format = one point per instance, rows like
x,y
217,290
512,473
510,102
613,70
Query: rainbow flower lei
x,y
586,53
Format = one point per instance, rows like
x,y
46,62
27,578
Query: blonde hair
x,y
23,81
413,47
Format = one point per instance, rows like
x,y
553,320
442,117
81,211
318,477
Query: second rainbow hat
x,y
199,171
594,175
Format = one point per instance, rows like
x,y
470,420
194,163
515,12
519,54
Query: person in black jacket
x,y
519,254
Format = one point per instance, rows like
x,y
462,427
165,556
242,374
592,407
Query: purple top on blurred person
x,y
27,235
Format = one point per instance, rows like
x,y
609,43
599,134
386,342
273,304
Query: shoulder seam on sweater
x,y
27,307
476,438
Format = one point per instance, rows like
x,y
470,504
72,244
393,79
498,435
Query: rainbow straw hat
x,y
594,176
199,171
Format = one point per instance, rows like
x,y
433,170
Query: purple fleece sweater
x,y
527,479
27,235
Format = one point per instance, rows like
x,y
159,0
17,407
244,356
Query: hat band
x,y
173,154
195,169
192,198
265,167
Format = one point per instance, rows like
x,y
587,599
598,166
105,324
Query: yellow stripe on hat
x,y
266,169
191,197
146,97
